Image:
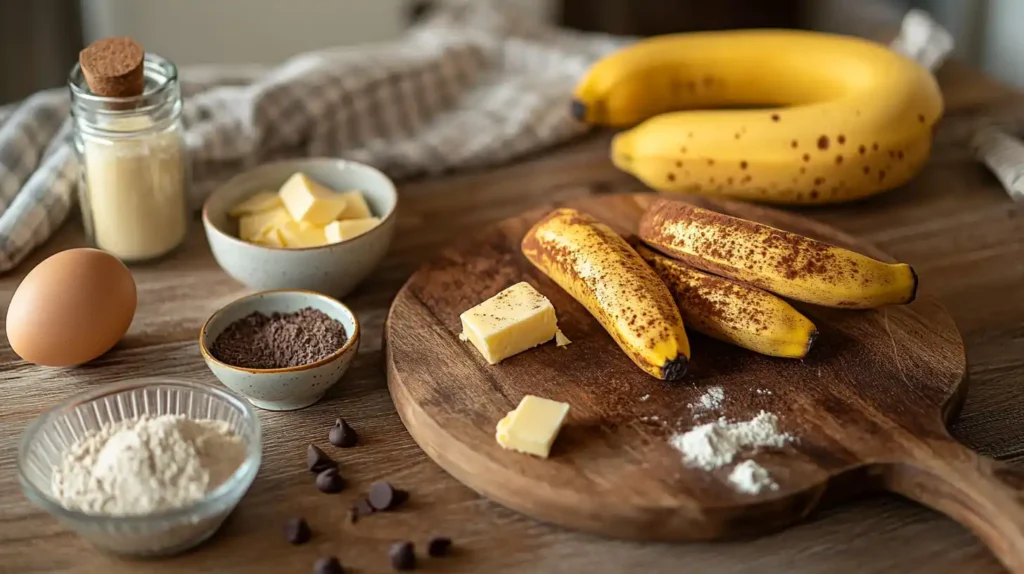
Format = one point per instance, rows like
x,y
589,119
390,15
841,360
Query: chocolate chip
x,y
402,555
359,509
330,481
383,496
439,546
297,531
317,460
362,507
328,565
343,435
400,497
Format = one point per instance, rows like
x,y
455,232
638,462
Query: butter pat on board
x,y
560,339
307,200
533,426
517,319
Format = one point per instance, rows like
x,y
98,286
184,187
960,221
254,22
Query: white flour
x,y
711,399
751,478
716,444
146,465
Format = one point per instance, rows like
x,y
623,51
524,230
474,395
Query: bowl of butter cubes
x,y
319,224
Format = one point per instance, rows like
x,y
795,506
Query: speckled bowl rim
x,y
343,163
302,292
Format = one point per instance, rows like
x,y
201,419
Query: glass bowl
x,y
48,438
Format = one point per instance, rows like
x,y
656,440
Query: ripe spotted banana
x,y
827,118
601,271
774,260
734,312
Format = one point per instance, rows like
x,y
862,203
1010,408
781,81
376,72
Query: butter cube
x,y
517,319
307,200
252,227
302,234
348,228
262,201
272,238
355,206
533,426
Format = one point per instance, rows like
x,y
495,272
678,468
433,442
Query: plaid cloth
x,y
479,83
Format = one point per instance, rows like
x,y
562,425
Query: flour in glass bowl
x,y
146,465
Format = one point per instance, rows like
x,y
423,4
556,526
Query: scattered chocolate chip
x,y
362,507
400,497
328,565
402,555
359,509
343,435
439,546
297,531
317,460
383,496
330,481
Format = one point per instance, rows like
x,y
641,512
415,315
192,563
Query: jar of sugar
x,y
134,170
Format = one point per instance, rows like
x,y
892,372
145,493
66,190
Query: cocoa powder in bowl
x,y
280,340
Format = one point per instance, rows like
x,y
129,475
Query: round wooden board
x,y
874,393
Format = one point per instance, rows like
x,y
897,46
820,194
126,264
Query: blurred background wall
x,y
40,39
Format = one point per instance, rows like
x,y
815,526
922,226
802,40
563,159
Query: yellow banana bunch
x,y
784,263
733,312
827,118
601,271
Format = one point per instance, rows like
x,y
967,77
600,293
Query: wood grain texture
x,y
867,406
953,222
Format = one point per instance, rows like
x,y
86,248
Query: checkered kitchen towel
x,y
481,82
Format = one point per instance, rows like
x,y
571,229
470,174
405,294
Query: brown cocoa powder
x,y
281,340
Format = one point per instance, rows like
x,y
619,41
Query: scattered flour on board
x,y
716,444
711,399
763,392
645,397
751,478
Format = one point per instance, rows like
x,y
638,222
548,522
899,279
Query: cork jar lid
x,y
113,67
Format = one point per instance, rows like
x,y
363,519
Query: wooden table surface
x,y
953,223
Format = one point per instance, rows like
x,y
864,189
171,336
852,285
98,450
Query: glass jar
x,y
134,175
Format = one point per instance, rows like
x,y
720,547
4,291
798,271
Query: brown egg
x,y
71,308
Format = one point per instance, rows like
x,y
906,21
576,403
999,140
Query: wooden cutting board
x,y
868,406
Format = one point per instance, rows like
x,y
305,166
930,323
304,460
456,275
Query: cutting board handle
x,y
983,494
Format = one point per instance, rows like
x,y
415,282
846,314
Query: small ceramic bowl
x,y
333,269
287,388
47,440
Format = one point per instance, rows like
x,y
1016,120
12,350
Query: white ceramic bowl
x,y
45,442
288,388
333,269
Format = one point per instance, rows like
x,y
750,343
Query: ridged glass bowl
x,y
48,438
